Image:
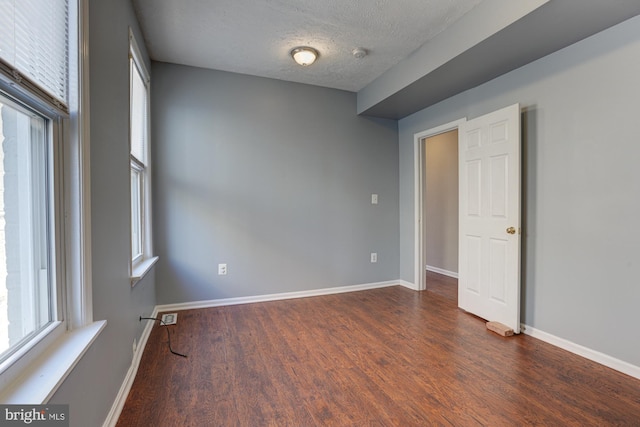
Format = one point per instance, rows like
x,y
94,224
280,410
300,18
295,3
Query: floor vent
x,y
170,319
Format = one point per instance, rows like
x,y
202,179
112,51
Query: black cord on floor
x,y
168,334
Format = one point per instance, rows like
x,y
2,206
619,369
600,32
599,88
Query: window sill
x,y
50,369
141,269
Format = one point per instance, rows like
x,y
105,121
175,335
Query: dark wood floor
x,y
384,357
446,287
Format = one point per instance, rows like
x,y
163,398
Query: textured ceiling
x,y
255,36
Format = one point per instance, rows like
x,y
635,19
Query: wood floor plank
x,y
383,357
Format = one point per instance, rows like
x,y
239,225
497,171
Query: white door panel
x,y
489,261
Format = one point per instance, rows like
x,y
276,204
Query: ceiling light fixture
x,y
304,55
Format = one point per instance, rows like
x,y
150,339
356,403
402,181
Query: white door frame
x,y
420,261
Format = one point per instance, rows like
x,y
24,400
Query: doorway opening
x,y
440,212
436,145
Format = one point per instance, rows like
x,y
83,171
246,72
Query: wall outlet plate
x,y
169,318
222,269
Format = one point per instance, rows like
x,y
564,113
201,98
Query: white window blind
x,y
139,113
34,40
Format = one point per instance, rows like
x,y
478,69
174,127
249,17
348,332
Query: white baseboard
x,y
273,297
587,353
442,271
118,404
409,285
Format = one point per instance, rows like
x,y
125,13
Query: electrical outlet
x,y
374,257
222,269
374,199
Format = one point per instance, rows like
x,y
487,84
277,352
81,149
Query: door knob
x,y
511,230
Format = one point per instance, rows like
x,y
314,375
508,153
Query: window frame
x,y
50,187
12,364
137,211
37,369
142,262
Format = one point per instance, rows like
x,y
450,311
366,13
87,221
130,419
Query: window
x,y
141,259
34,51
28,291
45,287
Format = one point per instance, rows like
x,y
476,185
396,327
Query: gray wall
x,y
441,201
92,386
274,179
581,186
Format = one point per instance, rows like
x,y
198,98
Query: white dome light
x,y
304,55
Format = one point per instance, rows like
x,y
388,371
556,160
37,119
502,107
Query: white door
x,y
489,215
